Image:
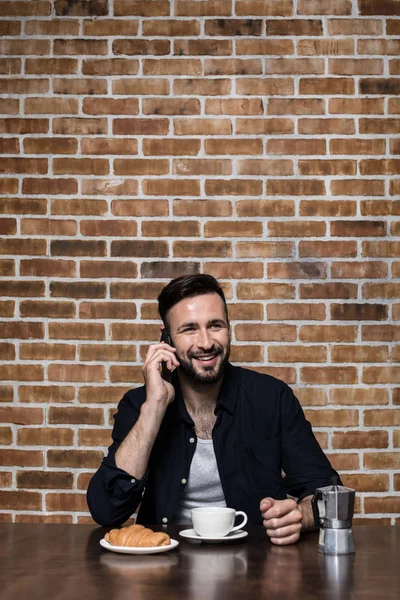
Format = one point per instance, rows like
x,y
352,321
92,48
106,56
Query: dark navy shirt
x,y
260,431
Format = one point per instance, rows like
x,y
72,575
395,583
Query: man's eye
x,y
216,326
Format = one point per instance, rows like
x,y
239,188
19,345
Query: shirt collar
x,y
227,395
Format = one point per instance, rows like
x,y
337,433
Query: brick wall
x,y
141,140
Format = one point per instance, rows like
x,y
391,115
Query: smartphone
x,y
165,372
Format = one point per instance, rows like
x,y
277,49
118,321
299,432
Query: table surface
x,y
63,562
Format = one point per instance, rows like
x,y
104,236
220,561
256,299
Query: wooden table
x,y
64,562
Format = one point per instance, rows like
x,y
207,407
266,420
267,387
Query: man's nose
x,y
204,339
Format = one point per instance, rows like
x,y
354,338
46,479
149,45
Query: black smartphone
x,y
165,372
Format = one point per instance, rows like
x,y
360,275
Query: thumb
x,y
266,504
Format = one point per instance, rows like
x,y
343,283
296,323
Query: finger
x,y
285,531
294,517
152,349
285,541
266,504
280,508
162,355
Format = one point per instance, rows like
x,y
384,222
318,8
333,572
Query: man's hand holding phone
x,y
159,363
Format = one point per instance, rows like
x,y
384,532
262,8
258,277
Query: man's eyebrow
x,y
194,324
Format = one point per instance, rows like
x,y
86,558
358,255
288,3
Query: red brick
x,y
21,372
123,8
325,46
45,436
48,227
337,376
382,417
49,186
76,331
321,126
276,86
265,333
232,106
293,27
357,312
106,228
24,47
172,66
9,28
291,311
170,187
355,66
7,351
216,146
168,270
290,354
296,228
324,7
360,146
20,500
139,248
232,228
360,228
134,332
110,66
90,207
186,166
101,395
297,270
85,47
265,291
79,126
79,86
380,166
139,290
375,125
107,310
359,396
384,7
50,146
21,288
295,187
233,27
46,393
109,187
55,27
384,333
207,126
327,333
200,8
66,502
328,290
266,208
381,375
7,268
51,66
356,106
9,106
96,269
367,482
78,248
296,146
21,416
10,66
43,351
77,289
52,106
200,47
264,47
354,26
237,270
360,354
232,66
141,47
170,228
311,396
153,126
110,27
126,373
47,309
8,226
107,352
110,106
76,8
94,437
381,290
295,66
167,147
140,208
359,270
9,146
171,106
327,208
171,27
202,208
357,187
327,167
73,372
21,458
44,479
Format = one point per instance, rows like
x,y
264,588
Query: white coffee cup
x,y
216,521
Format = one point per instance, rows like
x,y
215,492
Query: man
x,y
215,434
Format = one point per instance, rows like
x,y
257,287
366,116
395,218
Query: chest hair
x,y
204,423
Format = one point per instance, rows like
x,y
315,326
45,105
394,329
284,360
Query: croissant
x,y
137,536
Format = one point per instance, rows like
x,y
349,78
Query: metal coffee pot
x,y
333,508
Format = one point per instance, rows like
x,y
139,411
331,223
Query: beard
x,y
209,375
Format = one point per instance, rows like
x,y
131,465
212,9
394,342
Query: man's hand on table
x,y
282,519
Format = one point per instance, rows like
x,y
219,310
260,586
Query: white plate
x,y
234,535
133,550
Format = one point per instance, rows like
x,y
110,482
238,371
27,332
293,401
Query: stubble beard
x,y
206,377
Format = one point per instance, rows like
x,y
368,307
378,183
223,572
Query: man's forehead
x,y
195,308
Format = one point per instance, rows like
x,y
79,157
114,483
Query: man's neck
x,y
199,397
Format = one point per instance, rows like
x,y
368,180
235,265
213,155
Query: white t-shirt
x,y
203,487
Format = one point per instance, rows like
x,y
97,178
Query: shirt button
x,y
191,440
184,481
133,480
165,520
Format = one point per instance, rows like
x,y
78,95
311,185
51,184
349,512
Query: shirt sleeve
x,y
113,494
305,465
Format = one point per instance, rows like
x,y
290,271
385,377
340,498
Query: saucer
x,y
190,534
138,550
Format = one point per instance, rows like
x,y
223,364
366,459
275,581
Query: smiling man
x,y
207,433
